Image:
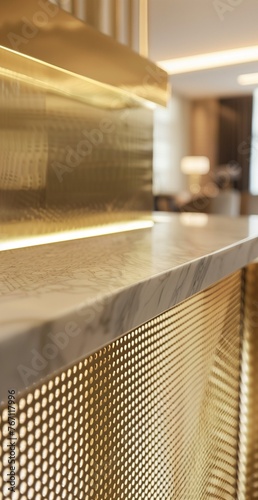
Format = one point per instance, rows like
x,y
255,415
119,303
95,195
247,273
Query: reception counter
x,y
132,359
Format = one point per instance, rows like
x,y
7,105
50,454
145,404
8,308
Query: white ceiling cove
x,y
179,28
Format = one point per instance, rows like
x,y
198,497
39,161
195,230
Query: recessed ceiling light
x,y
249,79
210,60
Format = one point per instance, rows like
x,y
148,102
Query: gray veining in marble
x,y
60,302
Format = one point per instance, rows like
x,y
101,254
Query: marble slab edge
x,y
54,345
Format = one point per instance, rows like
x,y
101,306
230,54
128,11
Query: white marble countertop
x,y
60,302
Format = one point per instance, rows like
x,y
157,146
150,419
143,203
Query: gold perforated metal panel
x,y
154,415
59,155
248,459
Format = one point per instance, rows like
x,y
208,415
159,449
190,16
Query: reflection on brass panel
x,y
49,78
59,46
66,164
248,460
153,415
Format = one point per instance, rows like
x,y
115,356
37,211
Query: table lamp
x,y
194,167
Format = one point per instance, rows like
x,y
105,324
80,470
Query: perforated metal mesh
x,y
154,415
248,460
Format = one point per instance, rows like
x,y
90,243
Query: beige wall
x,y
171,143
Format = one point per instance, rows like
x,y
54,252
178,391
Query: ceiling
x,y
179,28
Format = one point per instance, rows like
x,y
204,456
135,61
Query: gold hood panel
x,y
68,49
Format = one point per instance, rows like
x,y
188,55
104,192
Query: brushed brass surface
x,y
44,32
154,414
50,78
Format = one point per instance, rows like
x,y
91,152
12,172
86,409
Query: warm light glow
x,y
210,60
195,165
248,79
194,219
150,105
45,239
103,97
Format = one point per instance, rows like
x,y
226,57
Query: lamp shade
x,y
199,165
